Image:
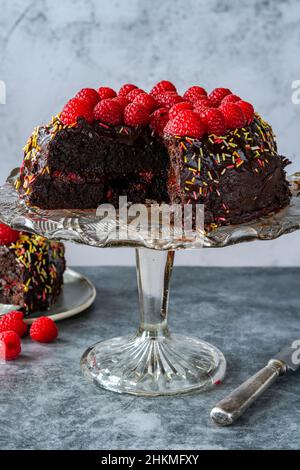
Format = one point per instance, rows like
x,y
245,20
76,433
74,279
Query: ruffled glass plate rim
x,y
84,227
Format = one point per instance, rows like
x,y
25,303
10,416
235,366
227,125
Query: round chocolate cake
x,y
159,146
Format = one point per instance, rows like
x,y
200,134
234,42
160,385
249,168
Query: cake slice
x,y
192,149
31,270
81,166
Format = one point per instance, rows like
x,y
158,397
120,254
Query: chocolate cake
x,y
31,271
197,149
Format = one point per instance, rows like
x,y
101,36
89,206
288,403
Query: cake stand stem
x,y
154,362
154,270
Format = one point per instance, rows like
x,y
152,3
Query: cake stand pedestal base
x,y
154,362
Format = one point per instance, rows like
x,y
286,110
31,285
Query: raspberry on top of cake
x,y
190,148
31,270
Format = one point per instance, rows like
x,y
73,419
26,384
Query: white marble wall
x,y
51,48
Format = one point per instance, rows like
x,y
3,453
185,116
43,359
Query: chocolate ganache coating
x,y
238,177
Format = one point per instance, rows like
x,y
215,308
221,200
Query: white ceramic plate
x,y
77,295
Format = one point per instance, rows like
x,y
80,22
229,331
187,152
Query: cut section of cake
x,y
192,149
31,270
223,174
87,164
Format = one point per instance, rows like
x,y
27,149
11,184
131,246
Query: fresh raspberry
x,y
230,99
205,100
18,314
248,110
234,116
8,235
76,108
159,120
146,100
214,120
108,111
105,92
202,104
186,123
13,321
125,89
90,95
135,115
161,87
134,93
10,345
218,94
122,100
168,98
194,93
43,330
176,108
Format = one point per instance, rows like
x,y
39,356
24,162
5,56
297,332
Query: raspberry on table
x,y
43,330
13,321
10,345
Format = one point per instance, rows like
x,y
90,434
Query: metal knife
x,y
236,403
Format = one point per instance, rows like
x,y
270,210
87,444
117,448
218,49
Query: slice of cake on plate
x,y
31,270
199,148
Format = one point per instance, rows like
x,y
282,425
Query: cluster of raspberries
x,y
13,328
194,114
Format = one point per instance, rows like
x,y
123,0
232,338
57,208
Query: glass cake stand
x,y
151,362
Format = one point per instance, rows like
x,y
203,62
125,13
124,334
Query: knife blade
x,y
228,410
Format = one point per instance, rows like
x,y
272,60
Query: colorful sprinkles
x,y
250,146
204,162
39,256
33,148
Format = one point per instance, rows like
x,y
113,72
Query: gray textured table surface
x,y
248,313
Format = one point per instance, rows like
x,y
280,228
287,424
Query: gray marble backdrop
x,y
49,49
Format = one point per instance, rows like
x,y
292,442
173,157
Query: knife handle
x,y
234,405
